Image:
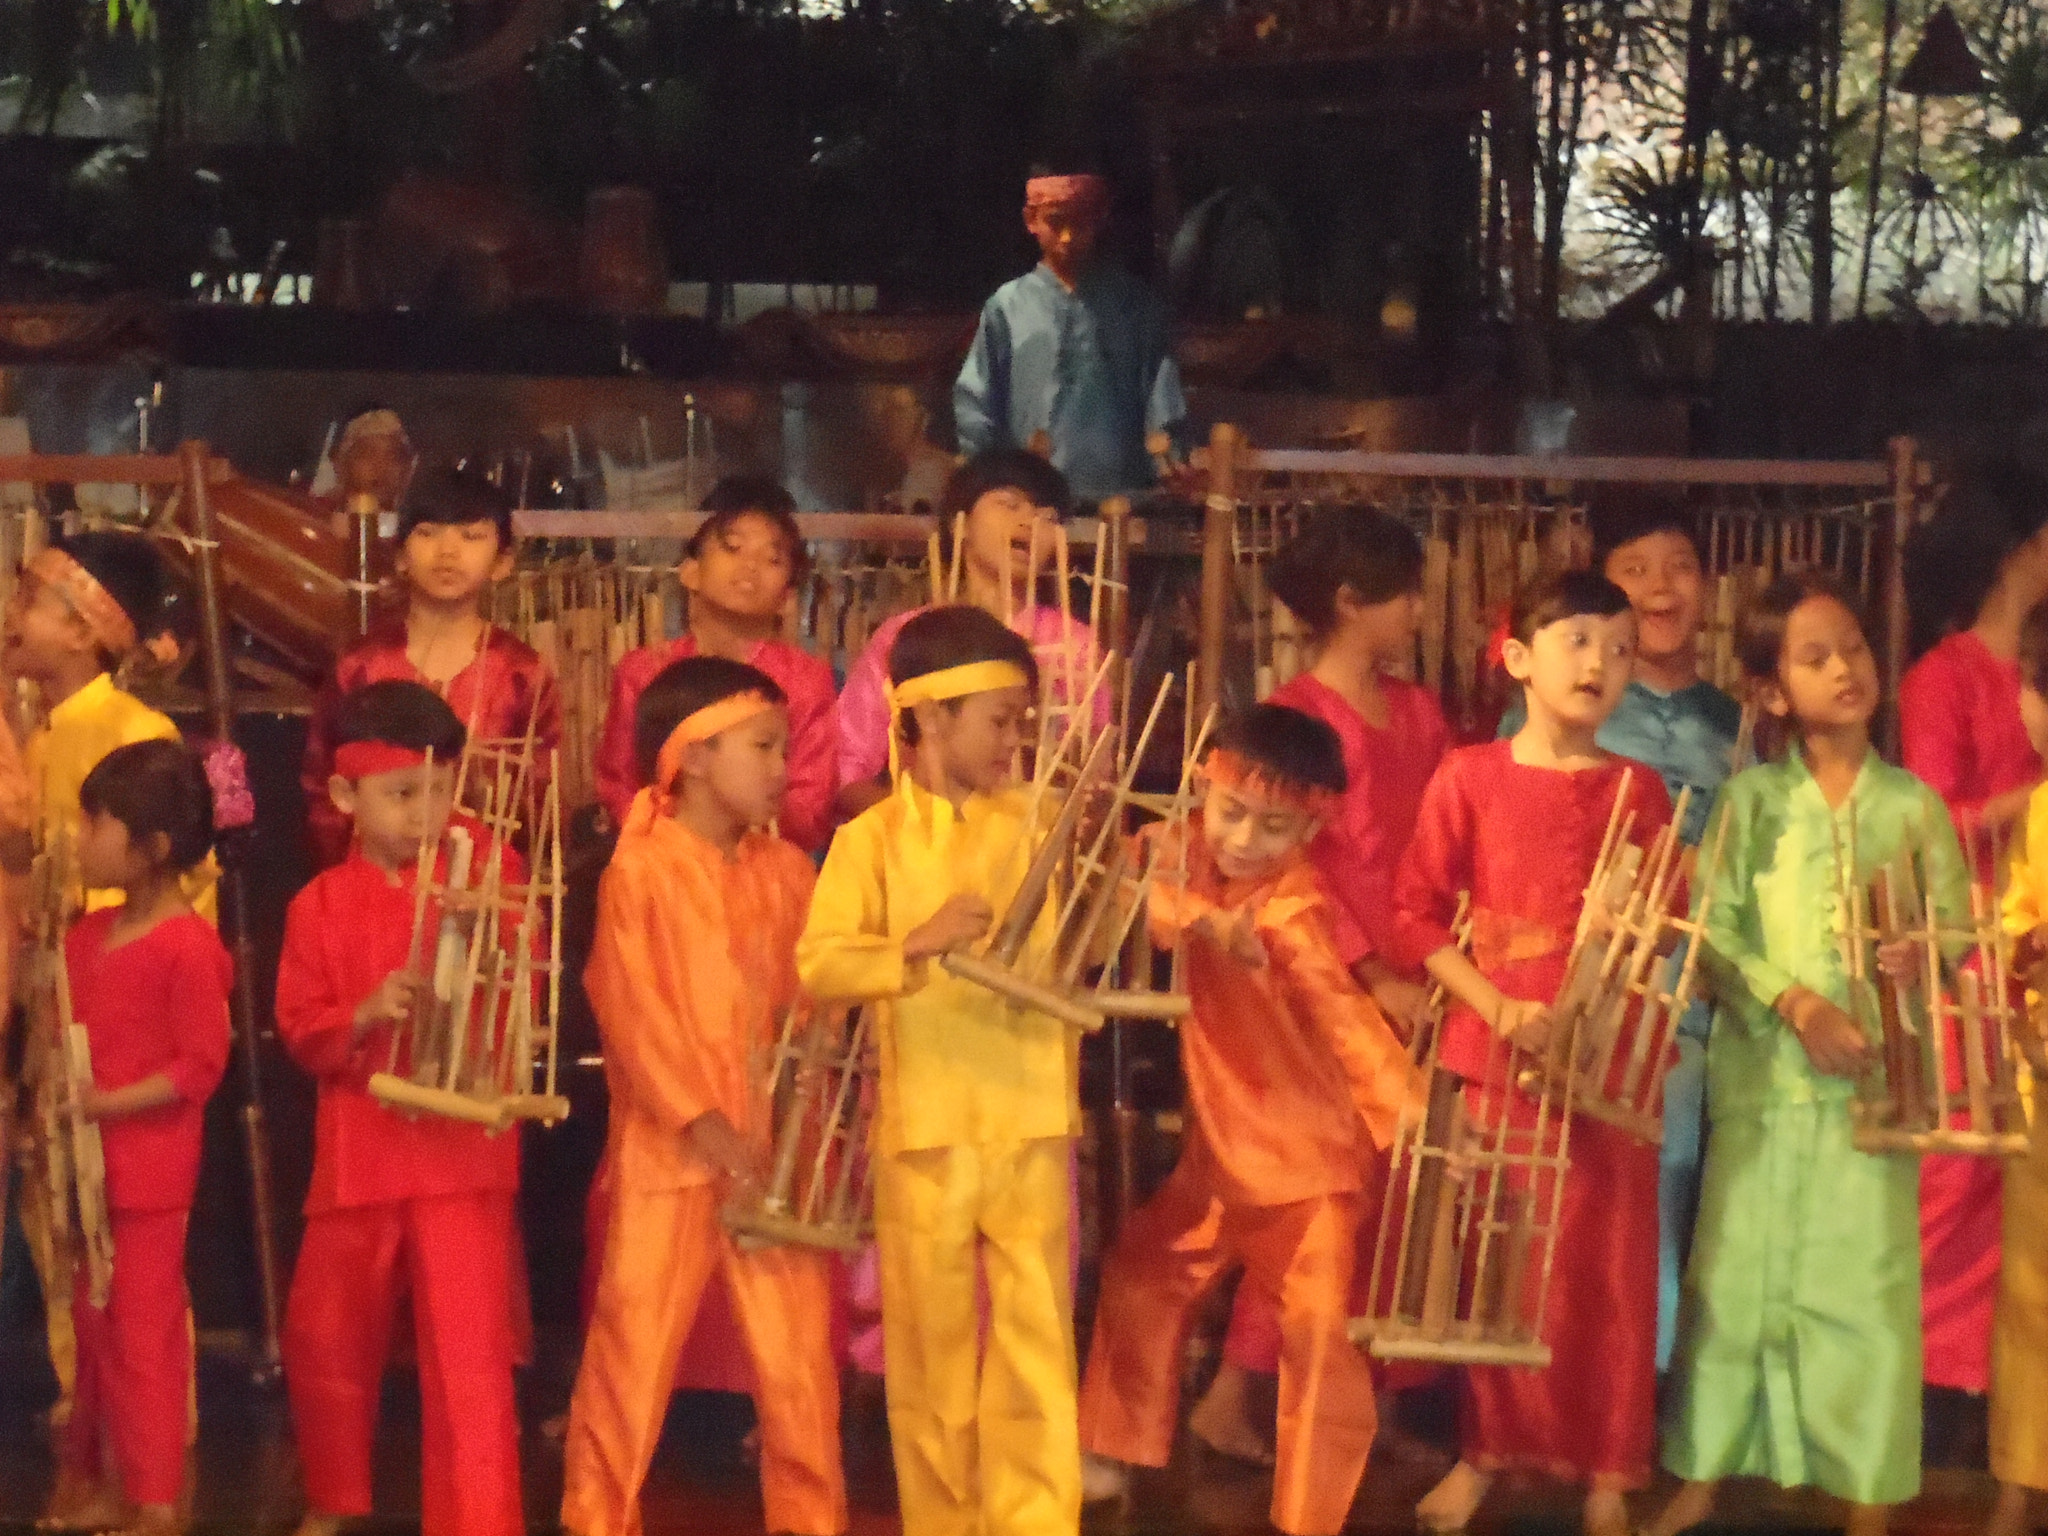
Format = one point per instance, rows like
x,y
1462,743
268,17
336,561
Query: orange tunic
x,y
692,964
1294,1077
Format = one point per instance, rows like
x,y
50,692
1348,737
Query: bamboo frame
x,y
1467,1241
1946,1022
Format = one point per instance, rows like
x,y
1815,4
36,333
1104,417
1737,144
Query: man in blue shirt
x,y
1678,723
1074,358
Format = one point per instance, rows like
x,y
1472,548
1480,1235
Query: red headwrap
x,y
360,759
1084,194
1239,773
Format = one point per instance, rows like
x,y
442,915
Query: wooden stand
x,y
819,1095
1935,1025
1468,1233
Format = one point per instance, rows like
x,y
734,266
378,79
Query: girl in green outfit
x,y
1799,1326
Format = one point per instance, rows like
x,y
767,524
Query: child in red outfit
x,y
149,984
422,1204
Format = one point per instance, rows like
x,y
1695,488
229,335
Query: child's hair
x,y
1005,469
737,496
1295,750
1953,560
2034,648
151,787
1369,551
1564,595
953,636
128,566
1760,631
1620,517
445,496
682,688
400,714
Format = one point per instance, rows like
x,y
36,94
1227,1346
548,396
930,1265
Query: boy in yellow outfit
x,y
81,606
2019,1334
977,1100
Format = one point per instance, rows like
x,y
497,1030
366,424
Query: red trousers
x,y
453,1252
1961,1230
135,1362
1171,1251
1589,1417
662,1248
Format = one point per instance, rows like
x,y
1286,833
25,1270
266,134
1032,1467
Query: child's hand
x,y
1404,1002
712,1138
2029,953
88,1105
392,1002
1897,960
1834,1042
1237,935
1523,1021
962,920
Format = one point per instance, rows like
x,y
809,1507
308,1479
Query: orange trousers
x,y
135,1362
1171,1251
454,1253
660,1251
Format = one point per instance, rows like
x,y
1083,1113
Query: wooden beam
x,y
1856,474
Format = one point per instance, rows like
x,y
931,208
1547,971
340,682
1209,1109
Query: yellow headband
x,y
658,798
949,683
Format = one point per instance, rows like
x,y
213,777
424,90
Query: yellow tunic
x,y
69,745
2019,1340
977,1102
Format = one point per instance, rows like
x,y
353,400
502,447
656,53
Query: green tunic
x,y
1799,1327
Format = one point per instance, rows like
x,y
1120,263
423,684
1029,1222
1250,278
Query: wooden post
x,y
1219,524
1905,463
234,913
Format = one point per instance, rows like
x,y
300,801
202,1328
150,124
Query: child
x,y
455,540
2019,1341
1074,354
1354,580
1518,825
1675,721
693,963
1295,1083
1005,495
396,1202
976,1103
82,607
149,983
1959,725
739,570
1799,1329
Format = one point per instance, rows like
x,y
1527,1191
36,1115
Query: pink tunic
x,y
1360,848
1959,714
864,702
813,733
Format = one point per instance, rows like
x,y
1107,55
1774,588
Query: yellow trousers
x,y
53,1271
985,1436
661,1247
2019,1339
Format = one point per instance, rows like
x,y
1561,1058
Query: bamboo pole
x,y
1219,523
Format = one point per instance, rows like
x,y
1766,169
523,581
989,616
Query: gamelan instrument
x,y
1944,1077
1468,1231
491,949
819,1098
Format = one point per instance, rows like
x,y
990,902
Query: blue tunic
x,y
1092,368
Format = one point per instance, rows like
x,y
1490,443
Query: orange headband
x,y
105,619
1080,192
1235,772
658,798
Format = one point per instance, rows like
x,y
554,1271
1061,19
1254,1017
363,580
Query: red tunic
x,y
158,1004
1959,719
343,935
1522,841
505,686
806,818
1360,847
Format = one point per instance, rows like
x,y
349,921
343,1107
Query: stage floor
x,y
248,1482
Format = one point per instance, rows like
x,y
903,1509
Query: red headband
x,y
106,619
360,759
1238,773
1081,192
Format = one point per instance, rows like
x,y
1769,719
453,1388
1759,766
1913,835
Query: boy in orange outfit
x,y
1294,1077
397,1202
694,959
